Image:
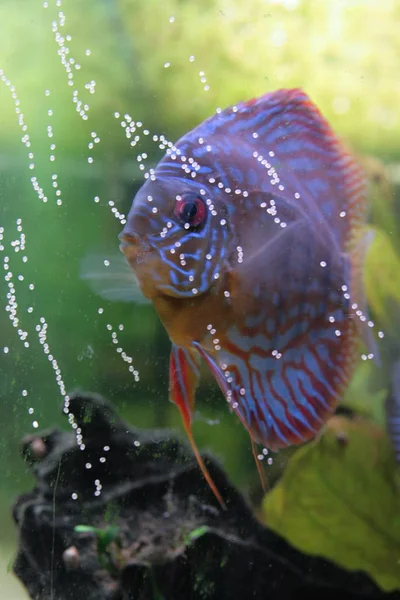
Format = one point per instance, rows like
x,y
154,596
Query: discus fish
x,y
247,238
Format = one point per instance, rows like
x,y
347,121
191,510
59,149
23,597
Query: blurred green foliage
x,y
382,280
334,49
339,498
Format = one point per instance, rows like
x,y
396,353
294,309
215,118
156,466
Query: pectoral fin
x,y
184,374
110,276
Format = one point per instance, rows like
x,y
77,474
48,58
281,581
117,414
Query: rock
x,y
151,529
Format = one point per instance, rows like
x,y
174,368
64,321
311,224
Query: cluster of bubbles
x,y
70,65
125,357
264,455
19,244
202,76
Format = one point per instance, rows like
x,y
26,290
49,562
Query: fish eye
x,y
190,210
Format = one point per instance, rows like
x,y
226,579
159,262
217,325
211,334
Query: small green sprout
x,y
104,537
196,534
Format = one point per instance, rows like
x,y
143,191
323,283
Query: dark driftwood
x,y
155,494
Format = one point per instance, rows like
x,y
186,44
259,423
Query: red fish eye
x,y
190,210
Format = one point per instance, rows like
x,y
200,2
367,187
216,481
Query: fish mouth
x,y
135,248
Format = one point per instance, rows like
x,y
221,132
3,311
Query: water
x,y
91,95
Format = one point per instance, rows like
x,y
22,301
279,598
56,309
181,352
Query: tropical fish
x,y
248,239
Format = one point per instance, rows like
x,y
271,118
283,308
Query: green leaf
x,y
366,394
339,497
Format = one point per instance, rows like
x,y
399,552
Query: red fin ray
x,y
184,377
